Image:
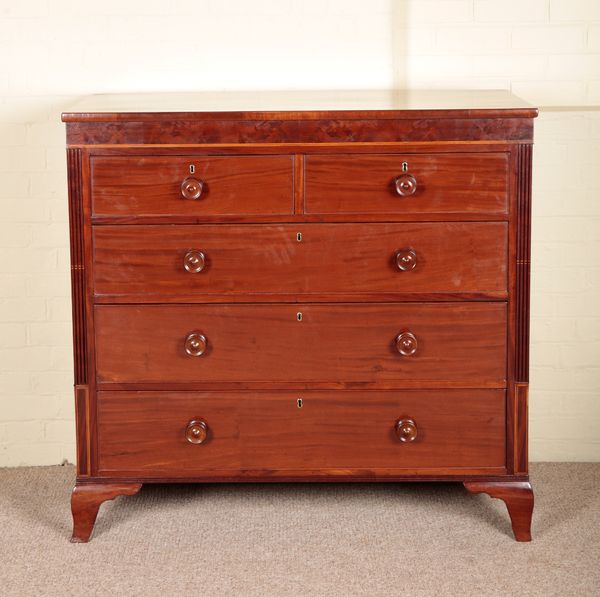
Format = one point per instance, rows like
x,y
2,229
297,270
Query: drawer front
x,y
475,183
182,261
148,432
219,186
344,342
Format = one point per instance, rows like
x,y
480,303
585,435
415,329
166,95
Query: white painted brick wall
x,y
52,51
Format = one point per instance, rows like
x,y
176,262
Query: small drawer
x,y
391,343
193,185
183,262
408,184
285,433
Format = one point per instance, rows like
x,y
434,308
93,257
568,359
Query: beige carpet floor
x,y
332,539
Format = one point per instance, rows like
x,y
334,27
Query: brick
x,y
14,134
30,260
30,358
17,235
49,333
22,309
13,185
23,109
25,454
12,286
469,39
551,329
23,405
46,134
21,431
50,382
24,8
12,385
552,39
49,286
574,10
551,93
433,11
54,235
566,427
59,431
13,335
61,355
545,355
593,99
577,65
510,10
22,159
582,354
59,309
22,210
567,450
49,184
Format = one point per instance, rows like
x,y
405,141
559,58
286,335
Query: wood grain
x,y
523,265
183,130
329,259
151,186
78,286
459,183
86,500
518,497
145,432
350,342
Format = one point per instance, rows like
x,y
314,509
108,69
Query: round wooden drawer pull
x,y
406,344
406,430
406,259
196,432
191,188
195,344
194,261
405,185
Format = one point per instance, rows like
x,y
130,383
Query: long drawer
x,y
302,342
176,433
191,185
457,183
183,261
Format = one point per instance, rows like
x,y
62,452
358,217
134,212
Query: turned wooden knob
x,y
406,259
195,344
406,343
196,432
406,185
194,261
406,430
191,188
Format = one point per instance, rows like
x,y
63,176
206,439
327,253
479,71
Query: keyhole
x,y
404,166
299,237
299,316
192,168
299,402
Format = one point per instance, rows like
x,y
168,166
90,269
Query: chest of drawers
x,y
298,287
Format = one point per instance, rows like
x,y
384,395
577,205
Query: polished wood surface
x,y
155,185
86,500
325,259
332,342
265,105
297,287
145,432
518,497
444,183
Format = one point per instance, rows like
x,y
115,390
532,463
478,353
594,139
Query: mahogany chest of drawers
x,y
297,287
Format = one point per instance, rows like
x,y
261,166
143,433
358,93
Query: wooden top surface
x,y
292,105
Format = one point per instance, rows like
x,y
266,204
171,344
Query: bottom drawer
x,y
273,434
